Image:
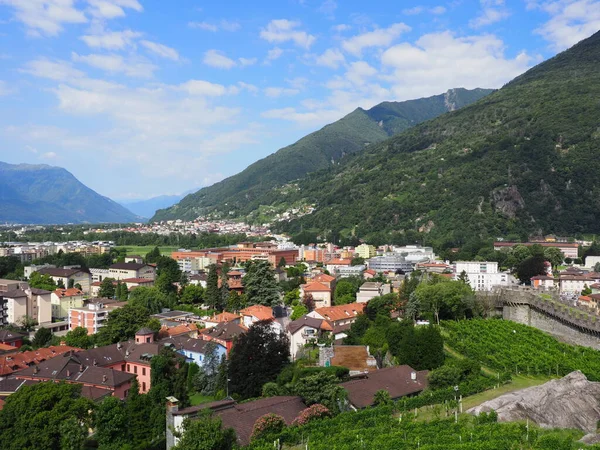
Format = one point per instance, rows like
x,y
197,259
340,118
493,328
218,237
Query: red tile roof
x,y
224,317
18,361
258,311
177,330
341,312
315,287
323,278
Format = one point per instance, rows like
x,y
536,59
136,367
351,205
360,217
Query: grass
x,y
141,250
198,399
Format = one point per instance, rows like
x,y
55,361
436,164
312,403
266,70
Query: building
x,y
398,381
122,271
92,316
542,281
482,275
224,317
17,361
185,329
199,279
98,275
351,271
365,251
194,350
433,267
372,289
570,250
334,264
223,333
340,317
321,293
240,417
64,299
134,259
26,301
244,251
255,313
132,283
415,253
390,262
304,330
68,277
11,338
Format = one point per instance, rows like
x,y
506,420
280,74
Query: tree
x,y
39,281
122,324
530,267
554,256
205,433
167,274
463,277
357,261
256,358
290,296
445,299
73,434
213,294
192,294
107,288
150,298
32,416
140,429
260,284
517,255
152,256
205,380
111,424
343,290
597,267
235,301
267,427
121,291
298,311
321,388
586,290
311,413
42,337
308,302
27,323
71,283
78,337
444,376
382,398
60,284
282,262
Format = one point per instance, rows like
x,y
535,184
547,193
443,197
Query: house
x,y
234,281
304,330
18,361
171,318
241,417
570,250
255,313
64,299
134,259
199,279
351,271
334,264
340,317
365,251
369,273
223,317
194,350
132,283
121,271
321,293
355,357
398,381
432,267
223,333
11,338
372,289
574,283
482,275
31,302
184,329
98,275
542,281
93,315
68,277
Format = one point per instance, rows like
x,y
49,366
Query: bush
x,y
316,411
270,390
382,397
266,426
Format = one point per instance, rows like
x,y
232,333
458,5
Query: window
x,y
128,368
143,371
134,369
123,367
144,386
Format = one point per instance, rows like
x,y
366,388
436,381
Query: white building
x,y
371,290
390,262
351,271
31,302
482,275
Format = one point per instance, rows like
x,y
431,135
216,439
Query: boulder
x,y
568,402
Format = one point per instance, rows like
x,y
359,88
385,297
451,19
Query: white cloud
x,y
132,67
492,11
275,92
331,58
570,21
436,10
440,61
111,40
247,61
4,89
274,53
45,17
297,82
381,37
341,27
203,88
283,30
109,9
215,58
49,155
223,25
54,70
328,7
161,50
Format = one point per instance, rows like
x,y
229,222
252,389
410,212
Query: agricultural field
x,y
141,250
506,346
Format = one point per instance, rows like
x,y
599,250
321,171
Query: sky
x,y
139,98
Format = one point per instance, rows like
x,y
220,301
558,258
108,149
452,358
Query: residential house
x,y
398,381
194,350
122,271
11,338
31,302
69,277
199,279
366,251
224,317
542,282
575,283
132,283
369,273
14,362
189,330
64,299
304,330
240,417
255,313
334,264
93,315
372,289
137,259
339,317
482,275
223,333
351,271
321,293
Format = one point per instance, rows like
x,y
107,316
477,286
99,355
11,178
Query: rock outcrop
x,y
569,402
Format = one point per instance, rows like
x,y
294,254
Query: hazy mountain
x,y
44,194
147,208
245,191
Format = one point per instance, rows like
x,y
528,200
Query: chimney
x,y
63,343
81,367
413,376
95,362
68,373
104,378
119,345
36,369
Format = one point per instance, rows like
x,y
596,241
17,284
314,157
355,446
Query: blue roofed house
x,y
194,350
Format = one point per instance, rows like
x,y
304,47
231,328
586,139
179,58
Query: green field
x,y
141,250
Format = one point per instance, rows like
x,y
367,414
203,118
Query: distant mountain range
x,y
147,208
245,192
42,194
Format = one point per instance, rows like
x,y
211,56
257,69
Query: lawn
x,y
141,250
198,399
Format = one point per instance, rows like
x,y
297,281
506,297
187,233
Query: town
x,y
111,328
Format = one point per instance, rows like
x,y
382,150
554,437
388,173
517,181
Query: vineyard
x,y
510,347
377,428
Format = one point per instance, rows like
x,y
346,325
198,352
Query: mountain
x,y
526,158
44,194
245,192
148,207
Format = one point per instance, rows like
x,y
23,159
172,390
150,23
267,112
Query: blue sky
x,y
139,98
